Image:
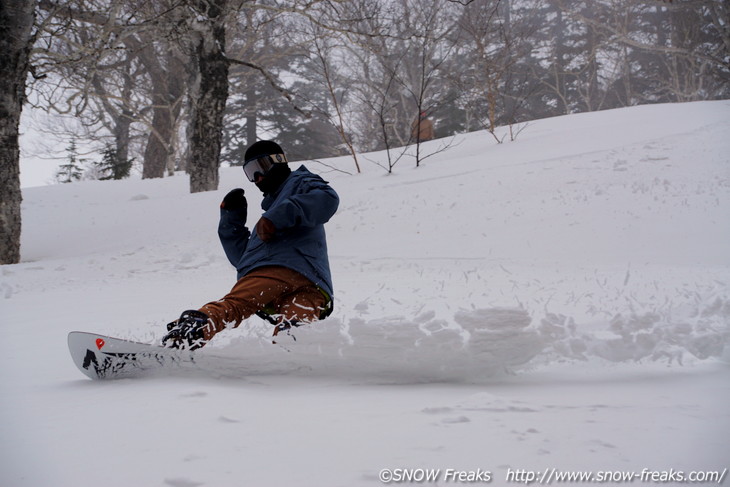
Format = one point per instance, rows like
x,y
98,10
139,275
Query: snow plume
x,y
479,344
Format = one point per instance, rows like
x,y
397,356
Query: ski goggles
x,y
261,165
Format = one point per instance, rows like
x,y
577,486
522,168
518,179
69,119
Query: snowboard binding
x,y
186,333
280,325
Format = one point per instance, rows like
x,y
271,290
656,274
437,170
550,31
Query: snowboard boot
x,y
186,333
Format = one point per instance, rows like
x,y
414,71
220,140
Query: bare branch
x,y
272,81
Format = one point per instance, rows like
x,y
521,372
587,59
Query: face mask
x,y
261,165
273,178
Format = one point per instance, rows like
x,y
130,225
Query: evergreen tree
x,y
317,136
70,171
111,165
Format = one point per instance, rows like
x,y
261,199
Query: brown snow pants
x,y
285,292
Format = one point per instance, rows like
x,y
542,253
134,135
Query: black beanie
x,y
263,148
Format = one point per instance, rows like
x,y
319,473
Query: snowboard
x,y
104,357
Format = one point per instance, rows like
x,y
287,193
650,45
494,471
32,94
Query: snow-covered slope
x,y
558,302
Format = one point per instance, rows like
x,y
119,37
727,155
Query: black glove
x,y
235,201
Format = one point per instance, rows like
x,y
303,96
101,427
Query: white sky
x,y
41,150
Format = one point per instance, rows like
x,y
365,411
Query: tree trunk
x,y
121,134
167,88
176,78
155,153
559,64
251,113
16,25
208,96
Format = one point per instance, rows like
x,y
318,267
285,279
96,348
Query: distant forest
x,y
189,84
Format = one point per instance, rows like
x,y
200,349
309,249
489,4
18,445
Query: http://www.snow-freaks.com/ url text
x,y
548,476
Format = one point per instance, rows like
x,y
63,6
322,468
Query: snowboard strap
x,y
268,312
329,304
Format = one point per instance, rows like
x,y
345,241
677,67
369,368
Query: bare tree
x,y
377,98
431,47
668,51
114,66
399,73
16,39
208,90
489,59
164,65
323,52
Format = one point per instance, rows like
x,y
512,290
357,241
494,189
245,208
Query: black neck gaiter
x,y
274,178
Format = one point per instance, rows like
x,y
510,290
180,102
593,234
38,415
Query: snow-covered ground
x,y
559,302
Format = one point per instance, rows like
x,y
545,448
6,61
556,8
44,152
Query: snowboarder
x,y
283,268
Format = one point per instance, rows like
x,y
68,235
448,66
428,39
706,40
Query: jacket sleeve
x,y
314,204
233,235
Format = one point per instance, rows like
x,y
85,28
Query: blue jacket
x,y
299,210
